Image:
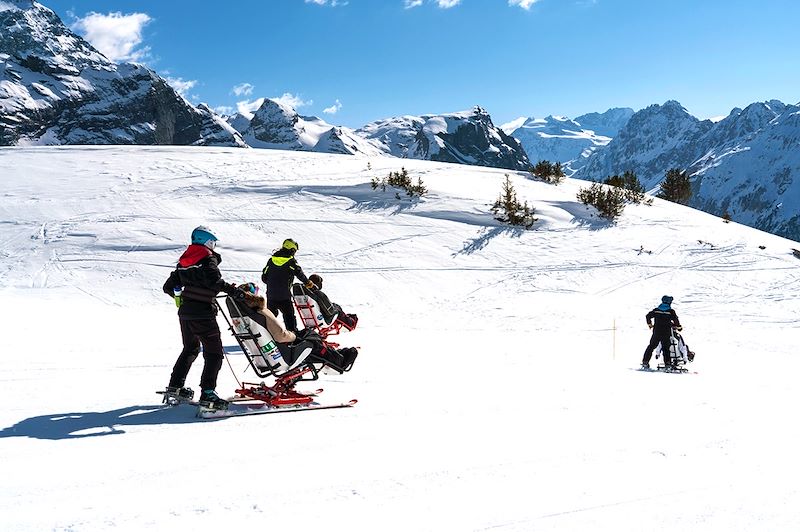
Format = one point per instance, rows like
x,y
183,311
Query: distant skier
x,y
195,283
661,319
278,274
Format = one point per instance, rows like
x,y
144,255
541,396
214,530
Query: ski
x,y
173,400
252,409
660,369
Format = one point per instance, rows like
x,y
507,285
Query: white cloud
x,y
444,4
247,107
244,89
223,110
292,100
333,3
117,36
333,109
181,85
524,4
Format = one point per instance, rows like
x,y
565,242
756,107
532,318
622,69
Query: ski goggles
x,y
251,288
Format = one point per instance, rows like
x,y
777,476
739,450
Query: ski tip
x,y
351,402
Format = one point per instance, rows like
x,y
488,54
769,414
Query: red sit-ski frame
x,y
307,314
282,393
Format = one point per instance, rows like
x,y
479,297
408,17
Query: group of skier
x,y
197,280
195,284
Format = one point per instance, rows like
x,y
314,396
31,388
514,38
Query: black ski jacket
x,y
278,274
663,320
198,273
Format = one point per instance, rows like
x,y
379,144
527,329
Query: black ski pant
x,y
286,309
665,342
195,333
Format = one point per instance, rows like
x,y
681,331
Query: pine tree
x,y
676,186
509,210
630,184
548,172
608,200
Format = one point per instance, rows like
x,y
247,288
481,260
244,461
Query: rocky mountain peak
x,y
273,112
17,5
55,88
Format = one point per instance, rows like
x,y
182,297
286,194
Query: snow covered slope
x,y
55,88
495,380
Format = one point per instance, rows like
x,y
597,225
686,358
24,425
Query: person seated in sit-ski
x,y
264,317
339,357
330,310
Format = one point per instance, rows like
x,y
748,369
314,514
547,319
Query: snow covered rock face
x,y
748,164
570,142
753,170
468,137
276,125
654,140
55,88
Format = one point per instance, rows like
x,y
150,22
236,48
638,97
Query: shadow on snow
x,y
485,235
88,424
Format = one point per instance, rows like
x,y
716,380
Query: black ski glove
x,y
236,293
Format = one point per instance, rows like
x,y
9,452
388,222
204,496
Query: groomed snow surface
x,y
496,383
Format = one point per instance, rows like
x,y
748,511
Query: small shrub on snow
x,y
631,186
548,172
402,181
608,200
508,209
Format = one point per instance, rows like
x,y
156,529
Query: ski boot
x,y
645,366
209,399
174,395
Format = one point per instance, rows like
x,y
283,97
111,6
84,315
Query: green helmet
x,y
290,244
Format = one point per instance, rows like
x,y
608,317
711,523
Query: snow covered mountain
x,y
570,142
468,137
752,170
745,164
55,88
654,140
276,125
344,140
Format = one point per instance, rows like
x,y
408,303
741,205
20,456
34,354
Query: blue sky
x,y
355,61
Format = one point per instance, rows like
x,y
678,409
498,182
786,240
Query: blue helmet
x,y
202,235
667,300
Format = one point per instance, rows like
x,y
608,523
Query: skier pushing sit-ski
x,y
666,339
271,350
